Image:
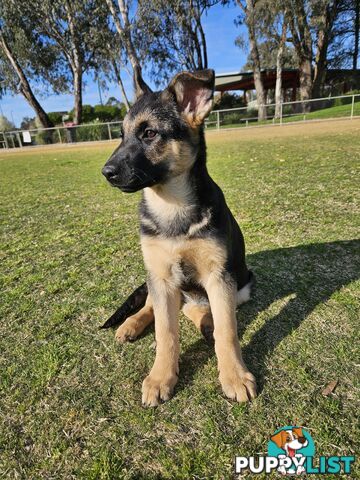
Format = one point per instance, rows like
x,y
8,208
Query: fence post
x,y
109,130
59,133
352,106
218,120
281,112
5,140
19,140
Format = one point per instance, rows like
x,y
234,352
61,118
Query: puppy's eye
x,y
149,134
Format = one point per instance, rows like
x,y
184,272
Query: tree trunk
x,y
25,88
279,61
203,45
302,40
357,30
260,94
323,39
305,83
121,85
124,30
255,57
77,96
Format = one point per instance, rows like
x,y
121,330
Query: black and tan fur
x,y
193,248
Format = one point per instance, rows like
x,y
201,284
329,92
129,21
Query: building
x,y
336,82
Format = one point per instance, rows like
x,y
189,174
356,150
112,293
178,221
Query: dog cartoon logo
x,y
291,445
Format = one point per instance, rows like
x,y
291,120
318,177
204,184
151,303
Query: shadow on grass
x,y
310,274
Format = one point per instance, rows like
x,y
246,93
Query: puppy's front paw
x,y
127,332
239,385
156,390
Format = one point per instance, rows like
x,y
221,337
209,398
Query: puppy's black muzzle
x,y
121,180
120,171
130,170
109,172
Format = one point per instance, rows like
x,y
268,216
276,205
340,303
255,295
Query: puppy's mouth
x,y
133,186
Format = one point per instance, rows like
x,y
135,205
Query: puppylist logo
x,y
291,451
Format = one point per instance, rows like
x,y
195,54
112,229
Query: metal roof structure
x,y
290,79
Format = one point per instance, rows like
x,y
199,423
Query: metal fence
x,y
91,132
344,106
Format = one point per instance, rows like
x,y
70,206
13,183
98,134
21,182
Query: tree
x,y
344,41
27,123
24,58
302,41
71,27
356,33
274,27
324,15
251,10
171,36
279,67
5,124
112,102
17,80
268,51
125,29
111,59
312,24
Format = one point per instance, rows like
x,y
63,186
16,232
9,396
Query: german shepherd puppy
x,y
193,248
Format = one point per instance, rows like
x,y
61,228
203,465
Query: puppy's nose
x,y
302,439
108,171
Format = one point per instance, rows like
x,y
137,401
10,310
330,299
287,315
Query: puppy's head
x,y
161,132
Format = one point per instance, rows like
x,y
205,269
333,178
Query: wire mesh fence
x,y
345,106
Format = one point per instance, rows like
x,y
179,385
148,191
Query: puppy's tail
x,y
136,301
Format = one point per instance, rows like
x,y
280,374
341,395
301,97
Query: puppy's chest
x,y
183,261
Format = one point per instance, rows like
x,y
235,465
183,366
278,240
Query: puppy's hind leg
x,y
136,324
200,315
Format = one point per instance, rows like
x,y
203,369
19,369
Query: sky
x,y
223,55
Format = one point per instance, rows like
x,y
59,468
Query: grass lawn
x,y
70,402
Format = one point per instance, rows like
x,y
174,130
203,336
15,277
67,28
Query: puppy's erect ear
x,y
194,94
140,86
279,438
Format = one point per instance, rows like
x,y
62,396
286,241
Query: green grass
x,y
70,403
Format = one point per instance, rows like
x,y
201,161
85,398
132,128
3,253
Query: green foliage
x,y
108,113
5,124
45,137
169,33
56,117
101,113
228,100
38,59
342,101
87,133
28,123
353,92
